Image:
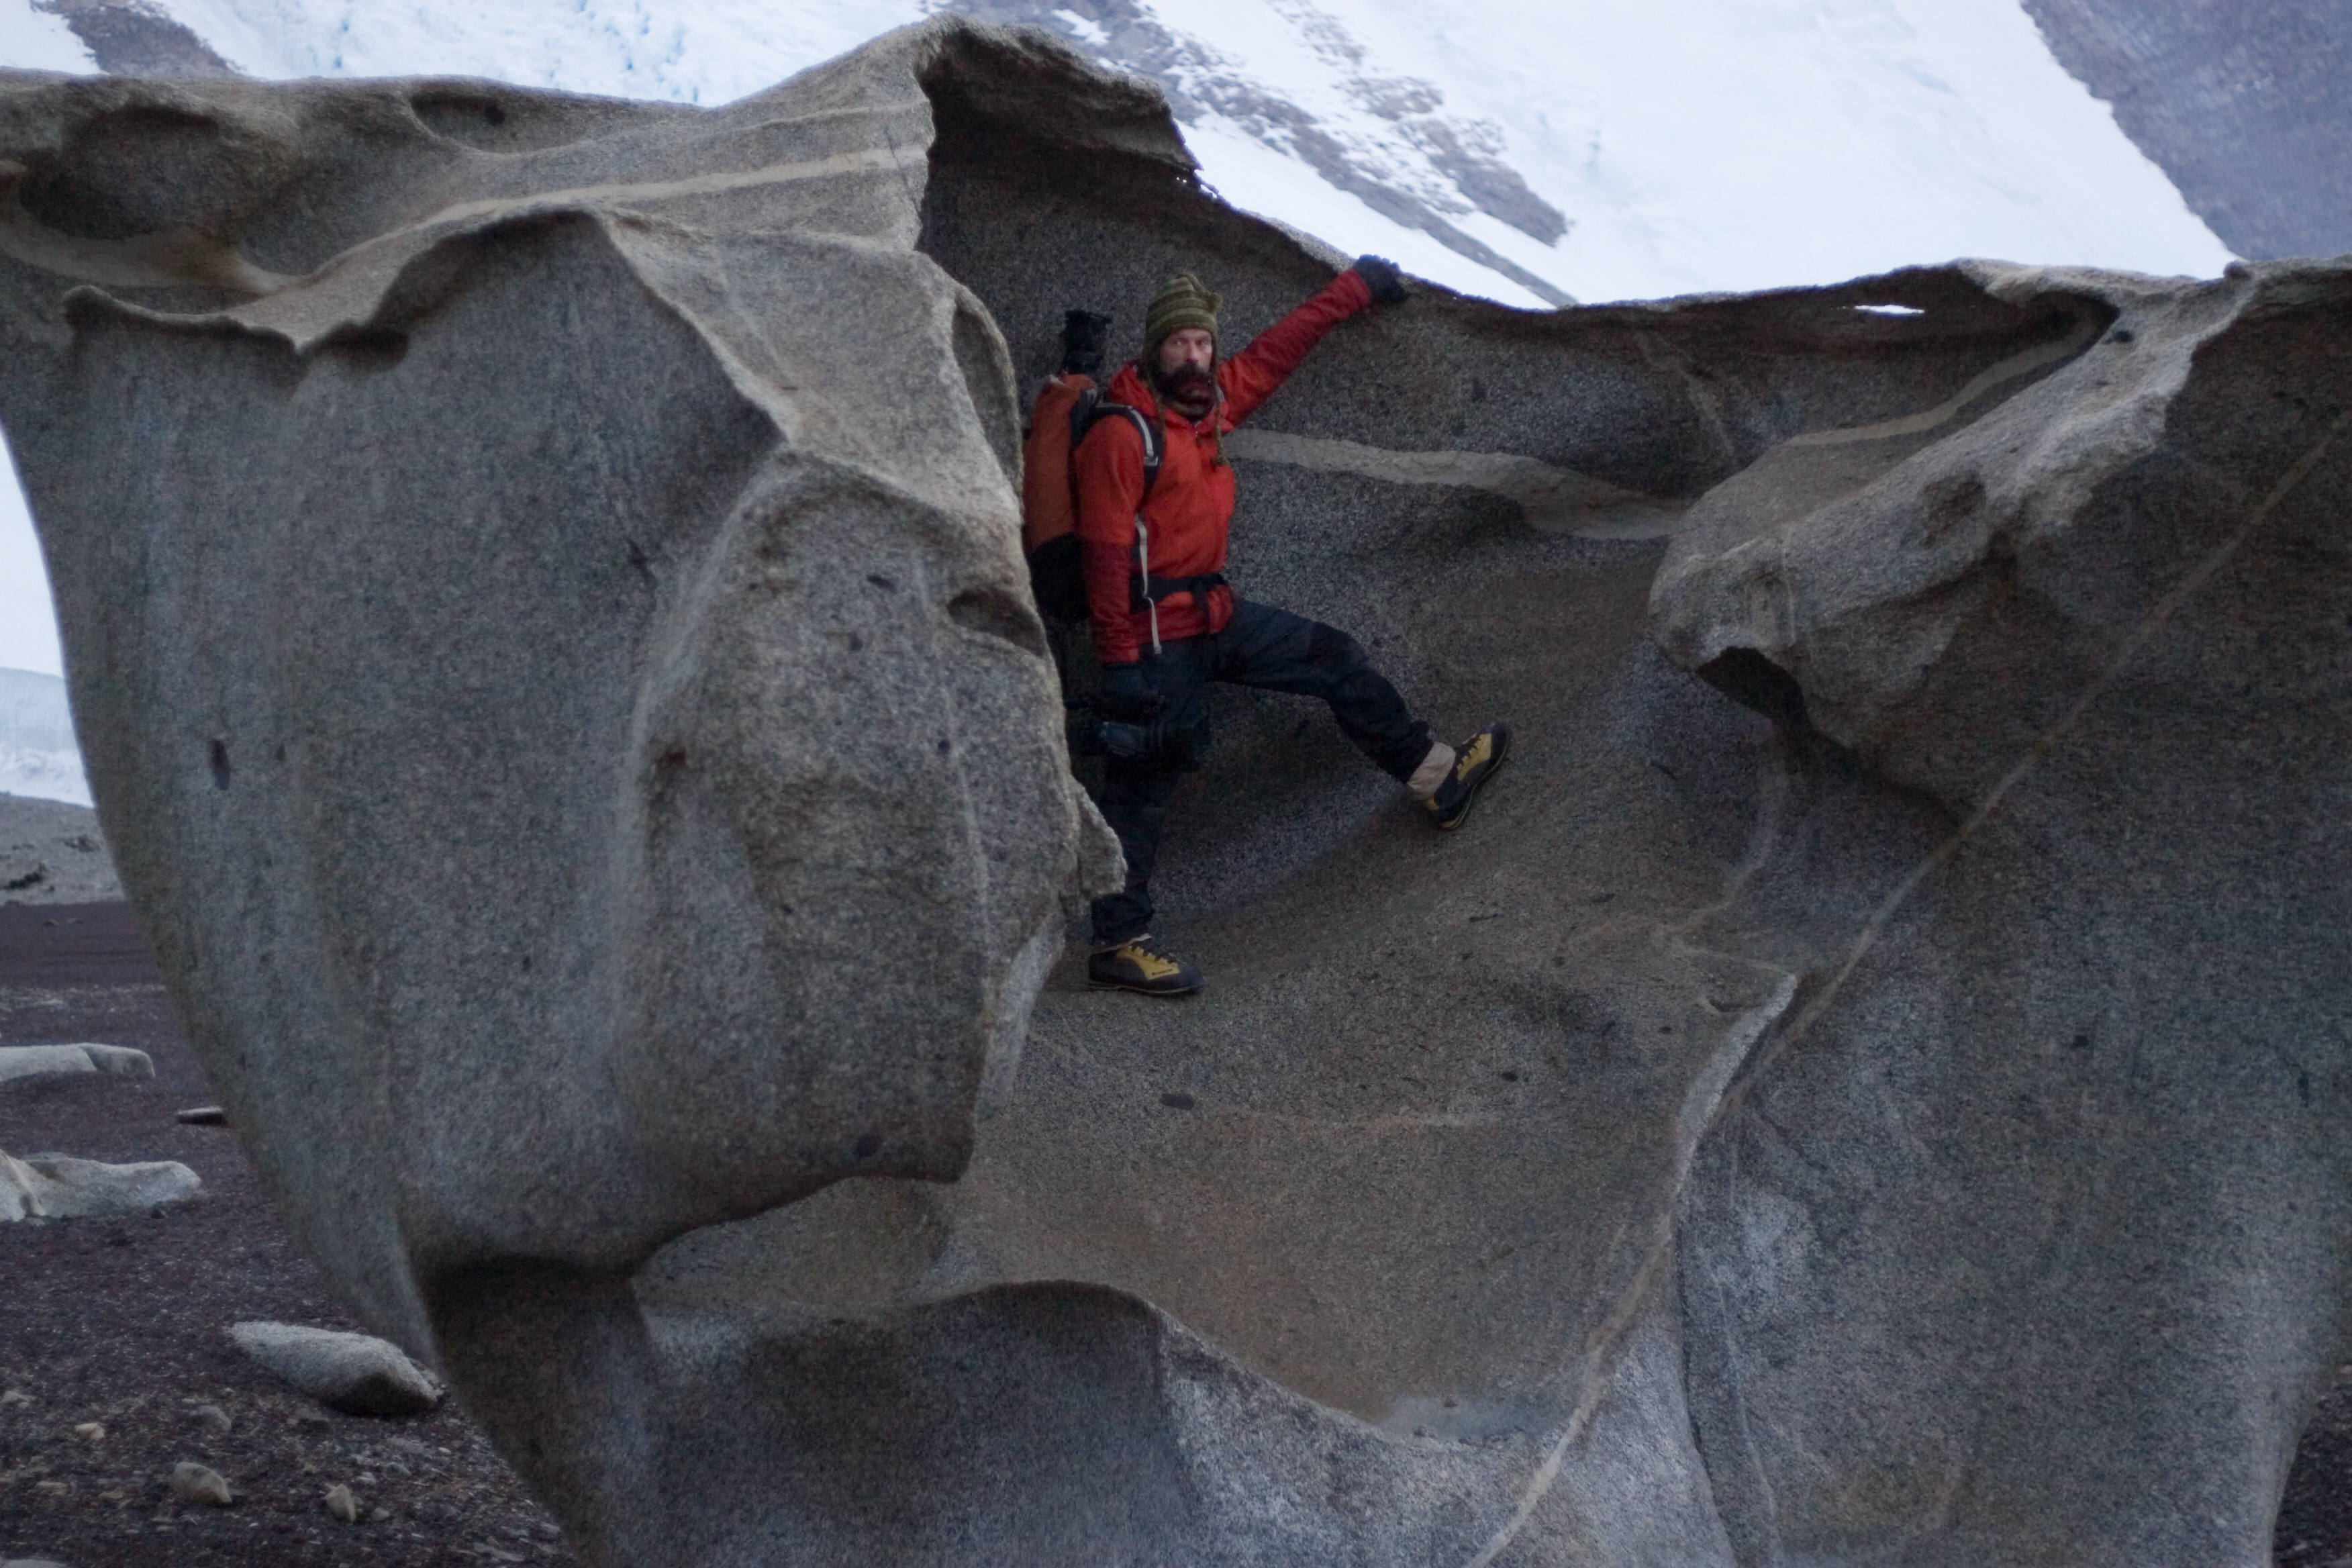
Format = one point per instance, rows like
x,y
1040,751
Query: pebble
x,y
341,1504
14,1398
91,1432
215,1418
32,1563
200,1483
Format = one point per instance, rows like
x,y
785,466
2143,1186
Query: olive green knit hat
x,y
1181,303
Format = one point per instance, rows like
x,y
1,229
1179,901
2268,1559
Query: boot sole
x,y
1093,984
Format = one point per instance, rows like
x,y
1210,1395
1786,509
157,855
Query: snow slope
x,y
688,51
36,40
28,628
1701,145
39,756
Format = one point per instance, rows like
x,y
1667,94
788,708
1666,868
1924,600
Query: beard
x,y
1188,389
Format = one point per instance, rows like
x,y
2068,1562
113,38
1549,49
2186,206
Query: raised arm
x,y
1250,377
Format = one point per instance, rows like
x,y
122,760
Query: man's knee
x,y
1329,648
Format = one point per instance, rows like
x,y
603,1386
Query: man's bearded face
x,y
1180,370
1189,389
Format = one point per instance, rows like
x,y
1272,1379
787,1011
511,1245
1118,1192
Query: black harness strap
x,y
1141,591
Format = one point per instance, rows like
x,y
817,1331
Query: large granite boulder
x,y
539,585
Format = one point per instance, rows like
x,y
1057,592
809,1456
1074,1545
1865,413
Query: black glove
x,y
1155,745
1084,334
1124,696
1380,276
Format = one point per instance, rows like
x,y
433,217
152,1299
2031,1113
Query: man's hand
x,y
1380,276
1125,696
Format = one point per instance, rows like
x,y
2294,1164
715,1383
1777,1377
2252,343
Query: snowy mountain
x,y
1530,150
39,756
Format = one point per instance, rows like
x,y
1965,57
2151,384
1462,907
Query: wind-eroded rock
x,y
2074,1085
539,579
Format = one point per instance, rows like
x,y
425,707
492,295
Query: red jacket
x,y
1192,502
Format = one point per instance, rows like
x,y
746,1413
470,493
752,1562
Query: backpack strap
x,y
1090,406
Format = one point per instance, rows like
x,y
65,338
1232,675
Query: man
x,y
1165,622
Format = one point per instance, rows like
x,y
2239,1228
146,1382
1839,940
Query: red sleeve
x,y
1250,377
1110,489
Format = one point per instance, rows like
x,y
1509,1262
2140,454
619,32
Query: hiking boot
x,y
1139,966
1475,763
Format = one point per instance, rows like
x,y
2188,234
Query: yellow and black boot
x,y
1141,966
1475,761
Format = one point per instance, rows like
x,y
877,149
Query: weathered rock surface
x,y
2243,105
358,1375
2075,1081
69,1061
55,1186
549,639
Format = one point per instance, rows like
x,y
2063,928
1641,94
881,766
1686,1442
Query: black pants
x,y
1276,651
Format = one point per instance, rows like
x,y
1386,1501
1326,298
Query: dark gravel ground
x,y
121,1322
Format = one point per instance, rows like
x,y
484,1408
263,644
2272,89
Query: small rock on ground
x,y
200,1483
355,1374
